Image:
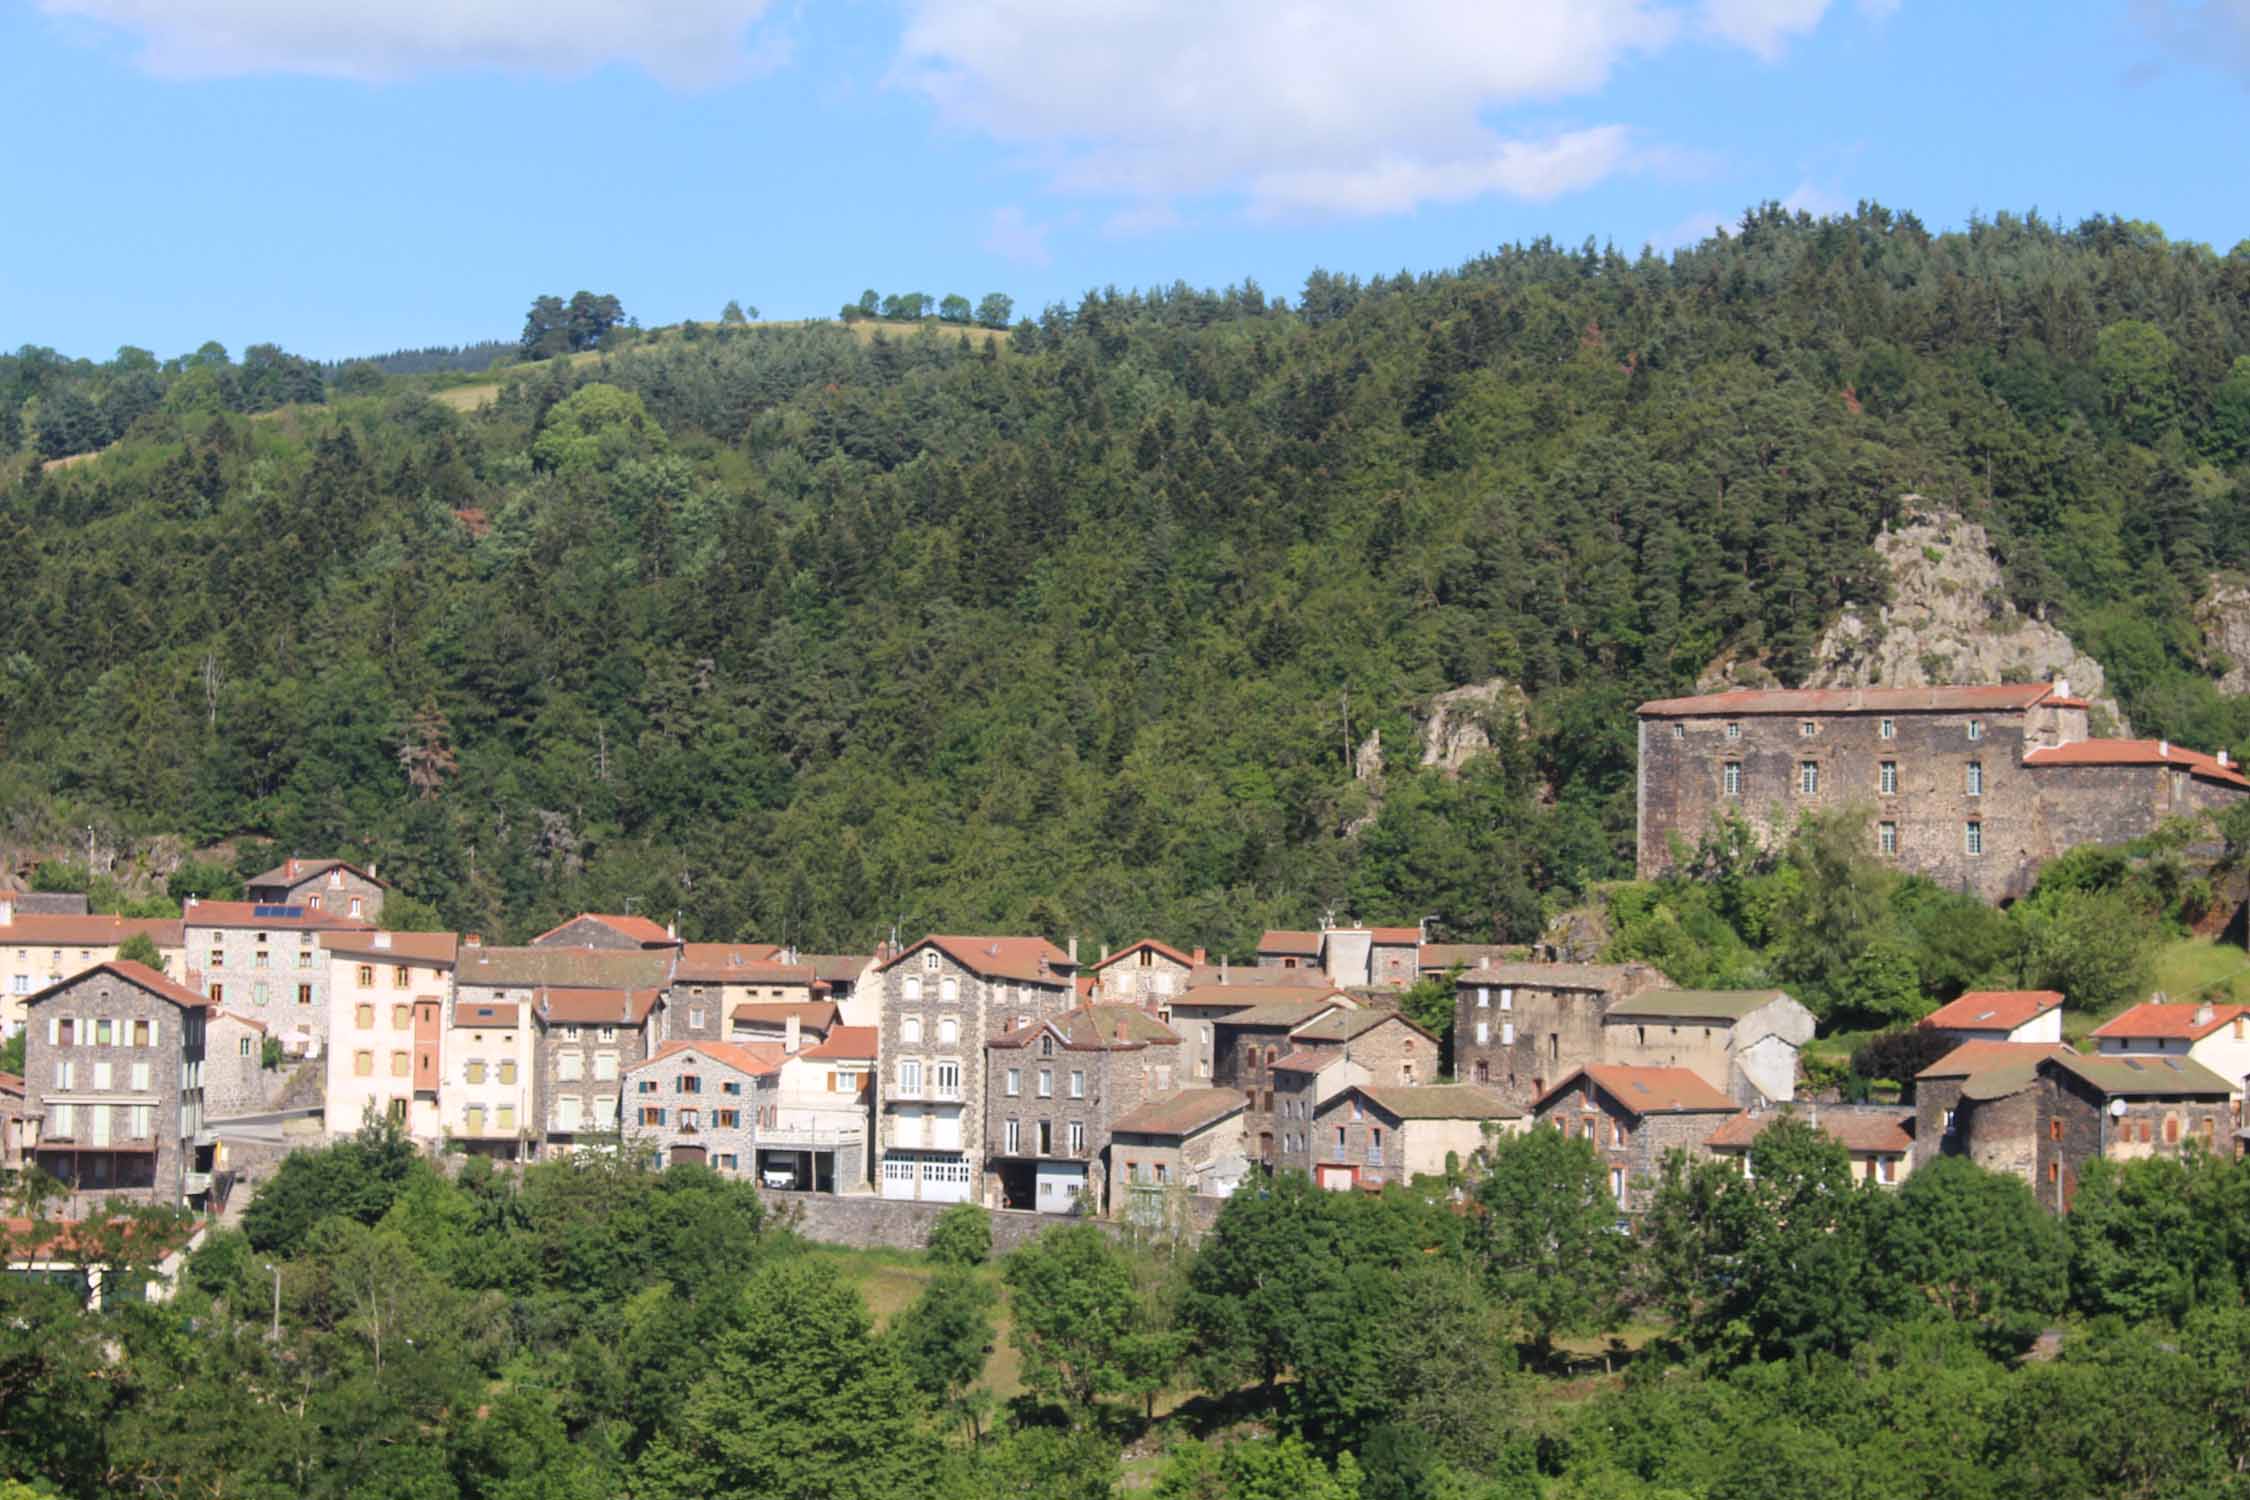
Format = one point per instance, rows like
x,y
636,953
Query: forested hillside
x,y
805,634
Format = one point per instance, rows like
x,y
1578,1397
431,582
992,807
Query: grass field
x,y
890,1280
2184,969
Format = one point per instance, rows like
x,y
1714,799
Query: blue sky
x,y
351,176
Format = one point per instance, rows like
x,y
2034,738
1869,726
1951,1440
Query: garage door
x,y
684,1155
898,1175
1336,1179
945,1179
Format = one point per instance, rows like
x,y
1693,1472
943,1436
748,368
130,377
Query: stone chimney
x,y
1222,969
792,1034
1105,953
672,930
1074,950
292,867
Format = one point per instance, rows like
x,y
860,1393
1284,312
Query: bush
x,y
962,1236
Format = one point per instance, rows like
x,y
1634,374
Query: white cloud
x,y
2214,34
1298,105
686,42
1014,237
1764,27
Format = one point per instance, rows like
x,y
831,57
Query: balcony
x,y
810,1137
924,1093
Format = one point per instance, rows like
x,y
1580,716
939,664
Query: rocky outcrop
x,y
1949,621
1462,721
2224,615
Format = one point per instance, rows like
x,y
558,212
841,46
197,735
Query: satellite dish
x,y
2116,1108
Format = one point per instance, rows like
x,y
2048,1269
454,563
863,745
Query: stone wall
x,y
865,1222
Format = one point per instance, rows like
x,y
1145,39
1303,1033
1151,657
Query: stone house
x,y
333,886
1055,1087
1520,1027
711,979
1395,1051
1281,1135
235,1079
486,1100
583,1042
1394,957
698,1102
1440,960
40,947
387,994
265,960
2124,1108
1148,973
822,1120
1633,1117
1744,1043
1282,948
2217,1036
943,999
1974,786
1249,1043
113,1079
1196,1012
1369,1136
2002,1107
2000,1016
14,1131
593,929
1879,1137
1189,1140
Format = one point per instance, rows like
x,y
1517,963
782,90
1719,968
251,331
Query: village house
x,y
943,999
334,886
1147,973
2217,1036
40,945
1054,1089
1441,960
697,1103
113,1081
1248,1044
593,929
855,985
1394,957
1395,1050
791,1023
1369,1136
265,960
2003,1106
1520,1027
711,979
1744,1043
1282,948
816,1130
486,1103
583,1042
1633,1117
1973,786
1196,1012
2000,1016
1879,1138
1188,1141
386,1029
1303,1081
236,1080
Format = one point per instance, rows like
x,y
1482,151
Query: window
x,y
1887,729
912,989
1886,778
2054,1130
1078,1138
400,976
141,1035
691,1120
948,1030
1484,997
102,1077
652,1114
1733,778
567,1112
218,959
930,960
1972,836
947,1075
508,1070
1976,729
910,1076
356,905
607,1034
104,1034
402,1016
726,1119
1077,1083
1014,1133
1976,778
1046,1083
731,1086
1808,777
1507,997
363,1066
687,1083
1046,1046
2171,1130
1015,1082
242,1048
366,976
949,990
1339,1138
364,1017
1679,731
1807,730
1734,731
695,1018
1507,1033
910,1031
605,1067
1484,1033
399,1067
1949,1121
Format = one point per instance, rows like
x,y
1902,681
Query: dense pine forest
x,y
1076,629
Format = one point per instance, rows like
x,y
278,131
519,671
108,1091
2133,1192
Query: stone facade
x,y
591,929
1394,957
699,1102
943,999
1053,1091
329,886
1744,1043
1518,1028
2081,1119
113,1075
584,1041
1190,1139
1632,1142
235,1079
266,962
1973,787
1148,974
1372,1137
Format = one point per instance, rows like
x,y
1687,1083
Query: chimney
x,y
189,904
1198,957
1074,950
473,940
2164,749
7,910
1105,953
382,940
672,930
792,1035
292,867
2223,758
1222,969
2062,687
371,875
2203,1014
1121,1029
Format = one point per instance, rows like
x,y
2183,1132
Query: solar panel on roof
x,y
277,911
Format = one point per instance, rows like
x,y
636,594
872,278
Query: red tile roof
x,y
639,929
1030,959
437,948
1971,1058
723,963
2170,1020
140,974
1309,1060
468,1014
1992,1010
595,1007
1862,1130
264,915
1396,937
1649,1091
10,1083
753,1058
1290,943
1153,946
811,1014
88,931
1988,697
846,1044
296,871
2138,753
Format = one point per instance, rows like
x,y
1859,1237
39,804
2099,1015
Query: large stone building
x,y
1147,973
1519,1027
943,999
42,942
1369,1136
1974,787
1742,1042
264,959
1187,1141
113,1078
1055,1090
333,886
1634,1116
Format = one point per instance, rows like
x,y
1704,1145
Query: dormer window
x,y
1046,1046
929,960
